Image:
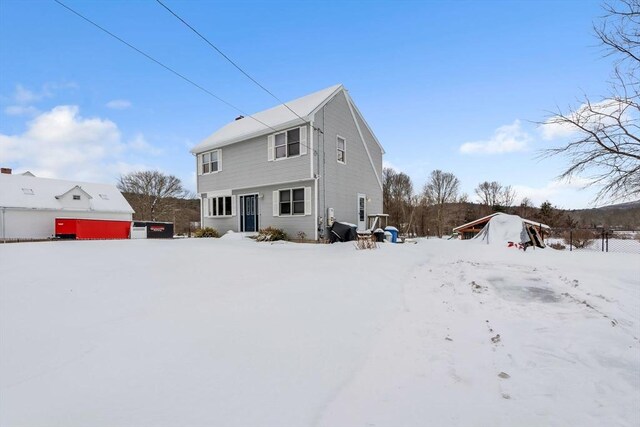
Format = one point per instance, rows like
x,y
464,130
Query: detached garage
x,y
30,206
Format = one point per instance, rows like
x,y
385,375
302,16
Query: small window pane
x,y
280,139
281,152
340,144
205,158
227,205
214,156
214,167
298,195
214,211
341,156
285,196
76,197
285,208
293,135
294,149
205,168
298,208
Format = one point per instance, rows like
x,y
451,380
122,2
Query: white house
x,y
29,205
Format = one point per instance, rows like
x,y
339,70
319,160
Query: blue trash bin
x,y
394,233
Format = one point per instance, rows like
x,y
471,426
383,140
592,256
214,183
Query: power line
x,y
166,67
229,59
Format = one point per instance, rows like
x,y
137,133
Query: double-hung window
x,y
287,144
210,162
219,206
292,201
342,150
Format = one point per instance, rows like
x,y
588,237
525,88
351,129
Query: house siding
x,y
340,183
245,163
292,225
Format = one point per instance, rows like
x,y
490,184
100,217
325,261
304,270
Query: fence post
x,y
570,240
602,240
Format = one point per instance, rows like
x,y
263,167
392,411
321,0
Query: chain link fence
x,y
594,239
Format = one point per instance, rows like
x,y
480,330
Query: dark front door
x,y
250,213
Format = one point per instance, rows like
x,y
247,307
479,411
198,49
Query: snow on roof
x,y
30,192
488,217
503,228
277,117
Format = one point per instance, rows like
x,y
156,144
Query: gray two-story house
x,y
295,171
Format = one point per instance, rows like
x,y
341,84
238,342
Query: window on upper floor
x,y
342,149
286,144
211,162
76,197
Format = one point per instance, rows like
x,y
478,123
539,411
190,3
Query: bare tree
x,y
489,193
152,193
440,189
604,144
507,196
398,200
526,206
495,195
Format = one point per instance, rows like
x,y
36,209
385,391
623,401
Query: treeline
x,y
439,206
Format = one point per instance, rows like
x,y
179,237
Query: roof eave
x,y
200,148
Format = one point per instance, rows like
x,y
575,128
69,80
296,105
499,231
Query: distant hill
x,y
627,205
620,216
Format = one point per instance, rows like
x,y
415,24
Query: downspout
x,y
198,192
315,182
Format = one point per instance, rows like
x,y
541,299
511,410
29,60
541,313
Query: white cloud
x,y
559,192
21,110
505,139
119,104
589,116
139,143
62,144
23,98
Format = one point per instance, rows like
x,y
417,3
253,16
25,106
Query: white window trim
x,y
286,144
271,144
306,201
201,164
214,199
344,156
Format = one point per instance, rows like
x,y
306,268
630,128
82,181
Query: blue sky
x,y
455,86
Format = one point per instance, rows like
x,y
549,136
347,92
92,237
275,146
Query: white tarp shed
x,y
503,228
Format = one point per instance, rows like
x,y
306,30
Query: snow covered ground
x,y
230,332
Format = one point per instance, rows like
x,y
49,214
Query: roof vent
x,y
239,117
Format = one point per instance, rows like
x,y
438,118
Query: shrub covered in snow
x,y
206,232
271,234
